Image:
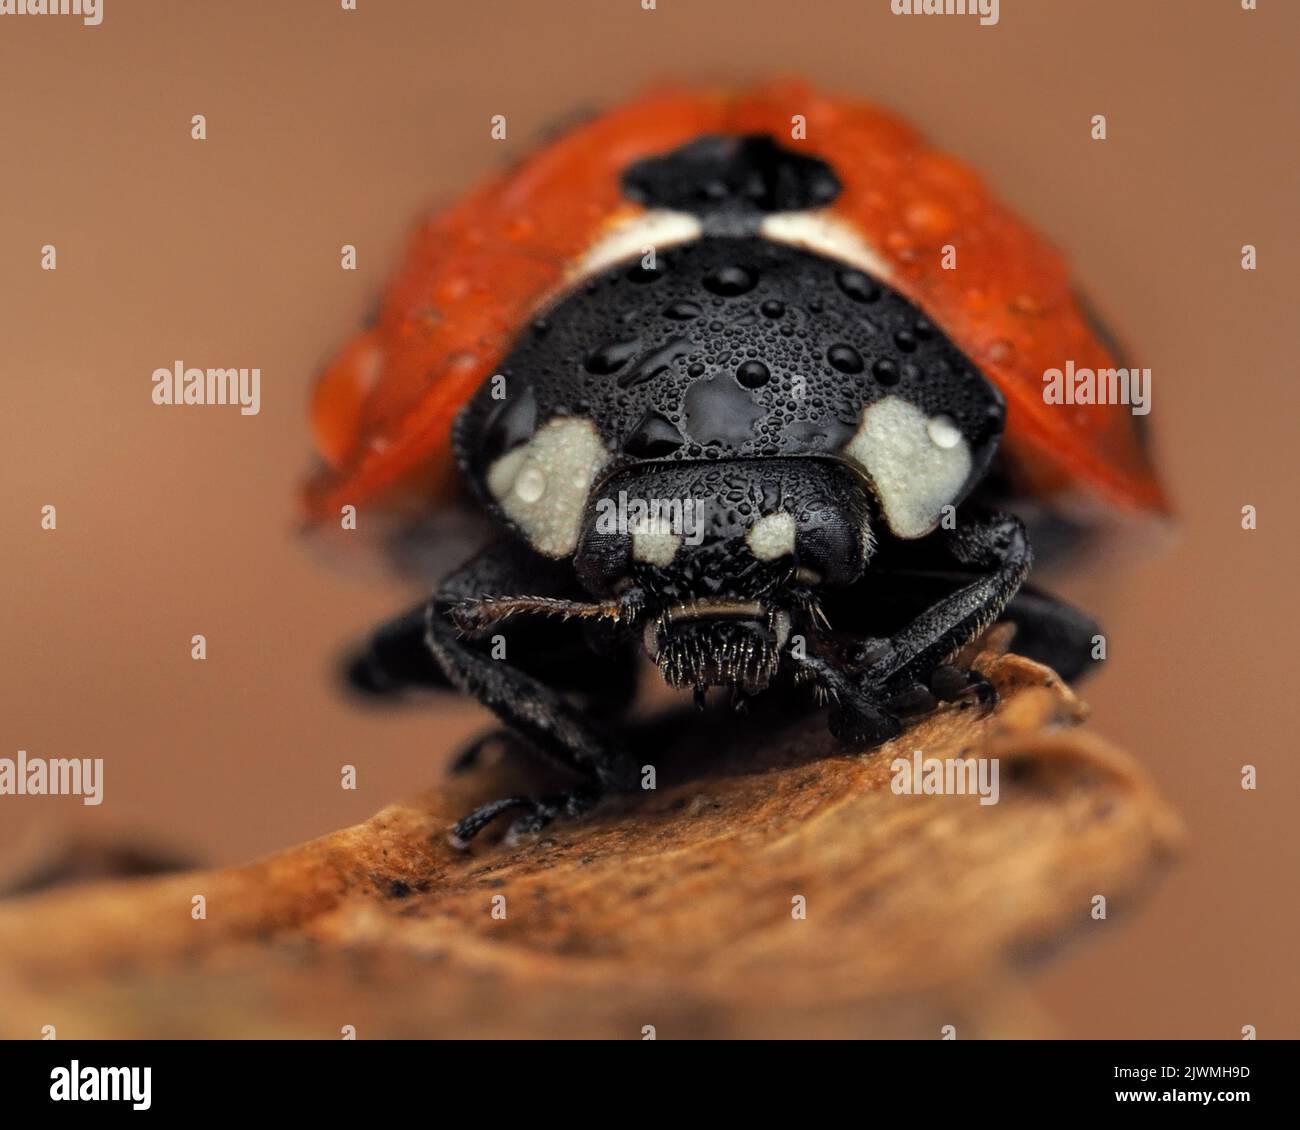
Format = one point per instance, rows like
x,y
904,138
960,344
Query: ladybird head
x,y
725,557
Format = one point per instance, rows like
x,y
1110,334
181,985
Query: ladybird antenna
x,y
476,615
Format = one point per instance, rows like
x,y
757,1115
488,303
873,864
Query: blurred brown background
x,y
328,127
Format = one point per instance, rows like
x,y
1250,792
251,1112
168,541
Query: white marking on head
x,y
655,547
627,238
542,485
827,235
917,465
772,536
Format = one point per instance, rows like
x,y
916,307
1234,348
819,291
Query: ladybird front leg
x,y
530,708
995,550
856,716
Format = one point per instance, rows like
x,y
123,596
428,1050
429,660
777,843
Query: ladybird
x,y
747,382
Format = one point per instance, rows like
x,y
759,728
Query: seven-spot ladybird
x,y
742,381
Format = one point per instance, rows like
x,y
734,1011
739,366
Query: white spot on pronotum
x,y
913,475
772,536
542,485
827,235
943,432
629,237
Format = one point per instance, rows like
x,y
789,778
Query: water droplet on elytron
x,y
885,371
730,281
858,286
943,432
845,358
753,374
683,311
612,357
772,308
530,484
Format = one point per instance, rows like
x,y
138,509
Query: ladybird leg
x,y
529,707
855,715
394,659
995,547
469,755
525,704
950,683
1054,633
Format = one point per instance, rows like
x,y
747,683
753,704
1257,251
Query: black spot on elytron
x,y
612,357
683,311
748,175
845,358
858,286
753,374
654,437
720,413
730,281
